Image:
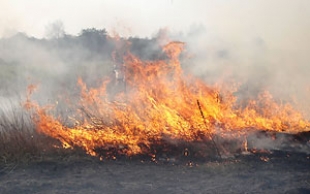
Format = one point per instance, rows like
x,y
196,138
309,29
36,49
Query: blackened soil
x,y
277,172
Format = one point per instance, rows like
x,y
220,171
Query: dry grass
x,y
19,141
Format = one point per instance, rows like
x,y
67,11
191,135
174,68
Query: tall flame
x,y
159,101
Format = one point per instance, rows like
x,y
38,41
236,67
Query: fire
x,y
159,102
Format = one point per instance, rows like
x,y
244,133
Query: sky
x,y
278,22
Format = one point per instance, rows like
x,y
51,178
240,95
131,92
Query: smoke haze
x,y
62,58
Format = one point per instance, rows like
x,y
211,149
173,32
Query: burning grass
x,y
20,142
154,107
19,139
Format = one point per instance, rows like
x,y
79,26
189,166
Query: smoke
x,y
279,142
52,63
253,62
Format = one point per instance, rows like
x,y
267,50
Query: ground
x,y
277,172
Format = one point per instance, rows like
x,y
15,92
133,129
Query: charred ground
x,y
284,172
283,169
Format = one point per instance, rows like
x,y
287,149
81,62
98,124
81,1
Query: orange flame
x,y
160,102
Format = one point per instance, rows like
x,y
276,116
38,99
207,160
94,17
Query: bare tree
x,y
55,30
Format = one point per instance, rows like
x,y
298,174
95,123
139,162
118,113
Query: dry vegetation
x,y
20,142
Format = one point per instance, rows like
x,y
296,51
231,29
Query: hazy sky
x,y
278,22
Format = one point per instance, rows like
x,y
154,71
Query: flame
x,y
157,102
